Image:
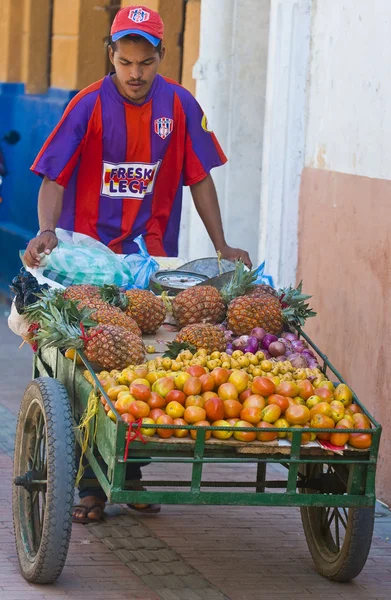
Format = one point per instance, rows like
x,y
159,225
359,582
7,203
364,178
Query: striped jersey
x,y
124,165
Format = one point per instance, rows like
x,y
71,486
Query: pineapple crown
x,y
241,282
295,309
61,323
175,348
113,295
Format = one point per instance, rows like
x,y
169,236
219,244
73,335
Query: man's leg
x,y
93,497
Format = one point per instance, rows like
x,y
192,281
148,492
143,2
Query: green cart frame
x,y
335,491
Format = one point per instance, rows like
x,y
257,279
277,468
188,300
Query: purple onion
x,y
298,361
298,346
241,342
267,340
267,355
229,351
292,337
308,353
228,335
258,332
277,348
313,364
280,358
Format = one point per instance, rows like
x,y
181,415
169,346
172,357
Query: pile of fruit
x,y
183,392
107,324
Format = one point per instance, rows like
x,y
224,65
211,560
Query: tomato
x,y
164,420
140,391
156,401
266,436
175,396
321,421
251,414
296,414
192,387
339,438
214,408
139,409
195,401
254,400
244,436
323,408
281,401
203,423
232,409
360,440
194,414
287,388
306,389
207,383
271,413
180,433
263,386
196,371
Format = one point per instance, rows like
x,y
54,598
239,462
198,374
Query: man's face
x,y
136,64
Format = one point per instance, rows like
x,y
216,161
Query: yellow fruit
x,y
112,416
267,365
281,423
236,354
344,394
313,401
221,435
148,431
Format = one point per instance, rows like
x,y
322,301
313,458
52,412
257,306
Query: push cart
x,y
335,491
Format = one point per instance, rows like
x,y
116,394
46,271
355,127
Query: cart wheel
x,y
44,472
339,539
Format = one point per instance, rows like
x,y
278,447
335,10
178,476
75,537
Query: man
x,y
115,165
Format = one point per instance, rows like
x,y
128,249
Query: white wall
x,y
231,83
284,140
349,122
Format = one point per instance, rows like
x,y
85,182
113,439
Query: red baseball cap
x,y
138,20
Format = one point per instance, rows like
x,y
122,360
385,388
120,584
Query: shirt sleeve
x,y
202,150
59,154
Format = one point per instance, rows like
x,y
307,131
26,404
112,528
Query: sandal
x,y
87,509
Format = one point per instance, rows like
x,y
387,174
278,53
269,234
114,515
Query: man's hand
x,y
234,254
43,243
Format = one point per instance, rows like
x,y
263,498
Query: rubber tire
x,y
48,562
355,549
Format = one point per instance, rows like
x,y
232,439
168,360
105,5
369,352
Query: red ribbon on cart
x,y
86,338
132,435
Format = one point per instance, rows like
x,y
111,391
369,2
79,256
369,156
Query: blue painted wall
x,y
34,117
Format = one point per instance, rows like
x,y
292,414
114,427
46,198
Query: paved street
x,y
185,553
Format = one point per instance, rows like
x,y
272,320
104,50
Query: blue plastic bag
x,y
142,265
262,277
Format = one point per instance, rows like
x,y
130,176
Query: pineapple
x,y
143,306
203,335
81,292
199,304
105,346
107,314
268,311
261,289
246,312
248,305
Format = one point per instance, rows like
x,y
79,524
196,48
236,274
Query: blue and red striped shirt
x,y
123,165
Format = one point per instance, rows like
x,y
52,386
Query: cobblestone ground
x,y
184,553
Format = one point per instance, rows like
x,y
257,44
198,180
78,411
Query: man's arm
x,y
207,205
49,210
